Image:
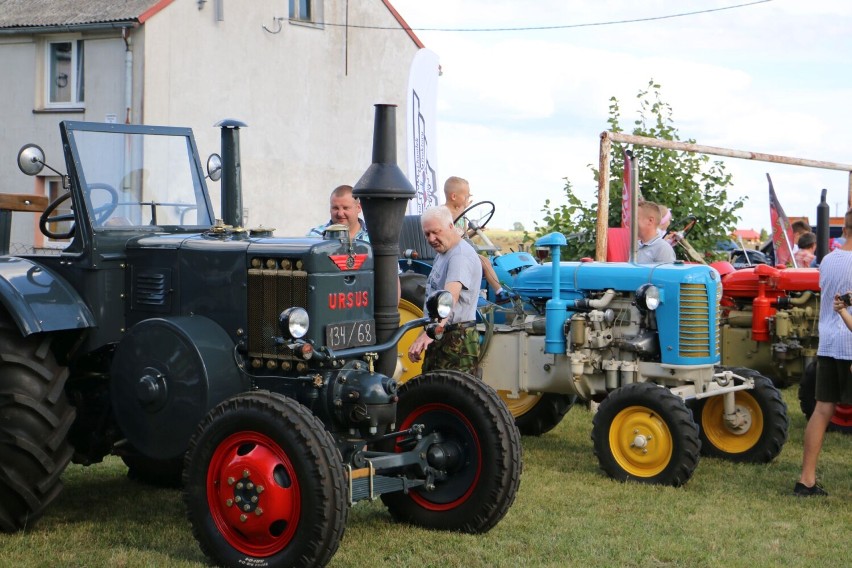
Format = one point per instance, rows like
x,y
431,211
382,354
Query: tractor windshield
x,y
139,176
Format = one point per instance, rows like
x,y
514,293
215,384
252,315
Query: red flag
x,y
782,231
626,192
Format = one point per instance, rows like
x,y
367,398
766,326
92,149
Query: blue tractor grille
x,y
697,331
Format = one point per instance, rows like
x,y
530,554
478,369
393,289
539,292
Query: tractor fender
x,y
39,300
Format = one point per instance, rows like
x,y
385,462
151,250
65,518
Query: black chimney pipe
x,y
384,192
823,220
232,184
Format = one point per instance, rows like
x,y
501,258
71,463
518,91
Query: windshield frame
x,y
77,168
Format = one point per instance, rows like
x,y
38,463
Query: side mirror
x,y
31,159
214,167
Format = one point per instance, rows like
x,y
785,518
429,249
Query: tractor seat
x,y
411,237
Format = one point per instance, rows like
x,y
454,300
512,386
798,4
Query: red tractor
x,y
770,323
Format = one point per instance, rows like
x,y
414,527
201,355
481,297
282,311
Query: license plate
x,y
350,334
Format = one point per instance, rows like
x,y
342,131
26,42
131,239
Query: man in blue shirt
x,y
345,210
834,355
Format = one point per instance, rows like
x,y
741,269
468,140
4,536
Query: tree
x,y
687,183
518,226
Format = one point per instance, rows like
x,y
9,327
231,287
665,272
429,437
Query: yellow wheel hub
x,y
726,437
640,441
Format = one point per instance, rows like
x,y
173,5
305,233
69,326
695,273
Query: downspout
x,y
128,101
128,76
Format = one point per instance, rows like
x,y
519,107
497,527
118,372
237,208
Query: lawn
x,y
566,513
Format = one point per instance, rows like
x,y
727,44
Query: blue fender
x,y
38,300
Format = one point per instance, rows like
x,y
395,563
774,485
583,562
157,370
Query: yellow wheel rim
x,y
520,405
407,313
640,441
721,435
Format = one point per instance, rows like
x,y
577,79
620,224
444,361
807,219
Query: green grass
x,y
566,513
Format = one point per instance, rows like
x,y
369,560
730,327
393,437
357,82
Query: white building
x,y
302,74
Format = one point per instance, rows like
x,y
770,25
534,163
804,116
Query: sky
x,y
519,111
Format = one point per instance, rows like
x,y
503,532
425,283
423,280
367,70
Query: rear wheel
x,y
842,419
763,427
482,477
264,484
36,417
537,414
643,432
159,473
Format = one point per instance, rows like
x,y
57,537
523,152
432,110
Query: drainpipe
x,y
128,101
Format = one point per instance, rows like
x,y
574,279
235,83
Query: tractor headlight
x,y
648,297
439,304
293,322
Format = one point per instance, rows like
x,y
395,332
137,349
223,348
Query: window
x,y
65,78
306,12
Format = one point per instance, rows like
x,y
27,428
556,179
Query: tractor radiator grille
x,y
696,329
271,291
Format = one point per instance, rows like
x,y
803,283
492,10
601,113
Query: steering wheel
x,y
475,223
100,213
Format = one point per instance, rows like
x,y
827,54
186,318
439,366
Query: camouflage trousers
x,y
457,350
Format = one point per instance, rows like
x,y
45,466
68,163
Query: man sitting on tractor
x,y
653,249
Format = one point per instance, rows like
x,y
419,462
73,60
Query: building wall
x,y
23,118
309,117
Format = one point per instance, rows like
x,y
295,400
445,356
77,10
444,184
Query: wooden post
x,y
603,198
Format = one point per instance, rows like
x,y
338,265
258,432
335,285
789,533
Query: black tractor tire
x,y
807,388
643,432
154,472
767,416
35,417
264,484
842,419
544,415
413,288
474,497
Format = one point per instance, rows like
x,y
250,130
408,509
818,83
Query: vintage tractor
x,y
770,322
257,368
643,341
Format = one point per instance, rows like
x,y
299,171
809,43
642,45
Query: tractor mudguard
x,y
39,300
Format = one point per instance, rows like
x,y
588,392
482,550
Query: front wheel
x,y
643,432
762,423
478,485
264,484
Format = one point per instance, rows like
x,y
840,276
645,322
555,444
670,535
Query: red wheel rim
x,y
454,425
253,494
842,416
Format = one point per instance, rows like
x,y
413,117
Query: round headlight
x,y
439,304
648,297
294,322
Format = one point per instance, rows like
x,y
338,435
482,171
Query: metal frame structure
x,y
608,137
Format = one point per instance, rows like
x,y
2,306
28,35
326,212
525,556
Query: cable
x,y
560,27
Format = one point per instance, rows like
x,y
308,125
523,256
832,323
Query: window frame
x,y
315,17
76,79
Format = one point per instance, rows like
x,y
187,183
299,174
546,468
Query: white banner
x,y
422,117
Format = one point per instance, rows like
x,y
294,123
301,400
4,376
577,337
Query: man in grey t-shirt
x,y
456,269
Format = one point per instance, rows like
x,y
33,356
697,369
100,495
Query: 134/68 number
x,y
350,334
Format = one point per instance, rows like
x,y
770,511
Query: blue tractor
x,y
641,342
